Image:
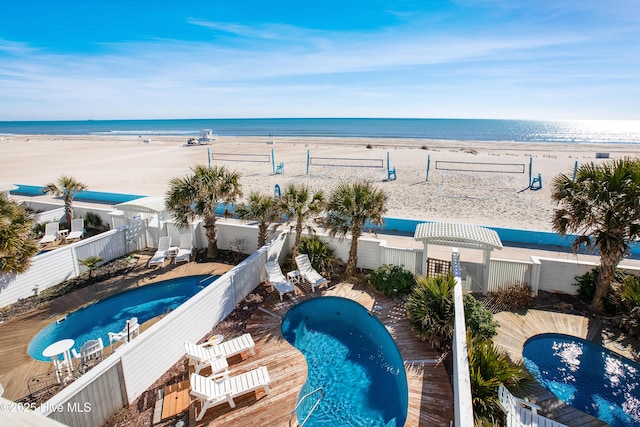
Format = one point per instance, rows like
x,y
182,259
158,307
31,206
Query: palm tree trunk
x,y
296,244
211,232
608,265
353,252
262,234
68,210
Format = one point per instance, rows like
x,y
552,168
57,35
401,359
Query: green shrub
x,y
393,280
479,319
587,285
320,252
94,223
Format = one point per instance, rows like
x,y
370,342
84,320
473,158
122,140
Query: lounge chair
x,y
214,392
277,279
186,248
202,354
51,233
202,358
162,253
131,329
91,353
77,229
308,273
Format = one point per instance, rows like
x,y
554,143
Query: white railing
x,y
520,413
127,373
462,405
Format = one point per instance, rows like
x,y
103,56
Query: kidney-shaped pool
x,y
110,314
353,358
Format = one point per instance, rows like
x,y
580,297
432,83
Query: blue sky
x,y
521,59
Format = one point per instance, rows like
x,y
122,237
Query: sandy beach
x,y
491,190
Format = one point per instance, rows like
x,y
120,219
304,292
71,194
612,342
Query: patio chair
x,y
77,229
186,248
308,273
277,279
131,330
202,354
202,358
212,392
91,353
51,233
162,253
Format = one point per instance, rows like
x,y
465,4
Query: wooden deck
x,y
516,328
430,393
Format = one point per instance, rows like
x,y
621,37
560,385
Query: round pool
x,y
355,361
110,314
586,376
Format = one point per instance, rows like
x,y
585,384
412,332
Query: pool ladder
x,y
313,408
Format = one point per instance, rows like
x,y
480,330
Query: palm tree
x,y
488,368
299,204
91,263
16,245
67,187
263,209
601,205
198,195
350,206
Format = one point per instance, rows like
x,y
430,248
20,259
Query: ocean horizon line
x,y
489,130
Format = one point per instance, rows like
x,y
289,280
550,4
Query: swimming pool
x,y
110,314
353,358
586,376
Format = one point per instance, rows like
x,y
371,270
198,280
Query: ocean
x,y
578,131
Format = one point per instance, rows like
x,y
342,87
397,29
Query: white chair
x,y
214,392
202,358
185,249
162,253
131,330
202,354
308,273
51,233
77,229
277,279
91,353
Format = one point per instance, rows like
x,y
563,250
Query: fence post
x,y
536,269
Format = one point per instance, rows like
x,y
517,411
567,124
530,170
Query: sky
x,y
503,59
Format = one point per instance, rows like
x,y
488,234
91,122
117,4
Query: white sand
x,y
129,165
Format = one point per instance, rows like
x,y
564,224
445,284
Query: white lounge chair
x,y
202,358
162,253
308,273
131,330
77,229
277,279
51,233
203,354
185,249
214,392
91,353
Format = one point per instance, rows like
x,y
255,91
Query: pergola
x,y
460,236
152,205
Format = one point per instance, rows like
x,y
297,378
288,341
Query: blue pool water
x,y
353,358
586,376
110,314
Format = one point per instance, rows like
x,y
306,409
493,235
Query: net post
x,y
308,157
209,156
575,171
530,170
273,161
428,164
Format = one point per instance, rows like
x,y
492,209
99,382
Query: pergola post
x,y
424,254
486,264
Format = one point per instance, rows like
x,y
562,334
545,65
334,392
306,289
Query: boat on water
x,y
206,138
